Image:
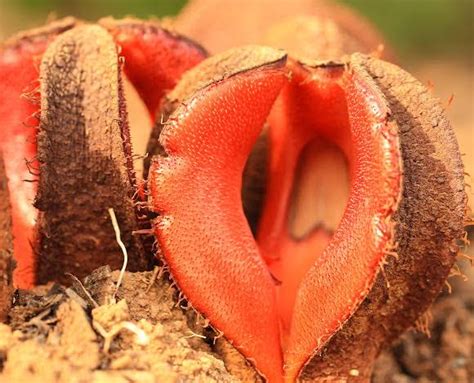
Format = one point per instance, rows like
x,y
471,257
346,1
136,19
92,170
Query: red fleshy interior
x,y
154,59
18,82
309,118
279,293
202,229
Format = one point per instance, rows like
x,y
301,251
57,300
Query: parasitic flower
x,y
65,130
363,208
310,211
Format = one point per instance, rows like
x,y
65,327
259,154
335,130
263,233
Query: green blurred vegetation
x,y
92,9
415,27
418,27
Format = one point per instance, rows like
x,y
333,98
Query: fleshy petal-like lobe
x,y
338,280
428,226
155,58
201,228
85,158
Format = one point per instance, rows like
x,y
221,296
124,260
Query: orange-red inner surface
x,y
18,116
309,121
154,60
201,228
278,298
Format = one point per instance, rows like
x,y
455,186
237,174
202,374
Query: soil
x,y
58,334
444,352
92,332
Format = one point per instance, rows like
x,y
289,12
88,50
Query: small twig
x,y
220,334
141,336
122,247
77,298
157,271
448,285
88,295
194,335
39,322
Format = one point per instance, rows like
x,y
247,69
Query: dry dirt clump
x,y
87,334
91,333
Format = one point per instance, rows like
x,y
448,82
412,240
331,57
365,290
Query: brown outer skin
x,y
6,247
429,223
26,41
223,25
220,67
84,154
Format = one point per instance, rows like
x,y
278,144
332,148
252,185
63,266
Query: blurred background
x,y
433,40
416,28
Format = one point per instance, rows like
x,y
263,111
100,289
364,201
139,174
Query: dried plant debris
x,y
446,355
144,337
59,355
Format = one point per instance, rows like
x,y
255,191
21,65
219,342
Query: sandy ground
x,y
135,334
92,332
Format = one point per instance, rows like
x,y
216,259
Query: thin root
x,y
88,295
157,273
141,336
122,247
194,335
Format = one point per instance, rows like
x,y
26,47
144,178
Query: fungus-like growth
x,y
308,269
